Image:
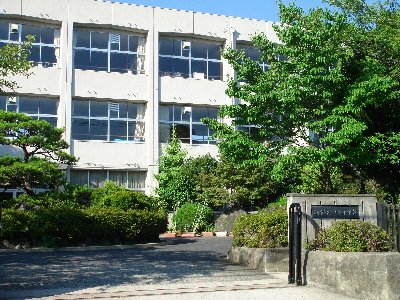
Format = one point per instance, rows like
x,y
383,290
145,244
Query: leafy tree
x,y
331,104
13,61
38,150
172,189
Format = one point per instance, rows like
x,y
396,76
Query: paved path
x,y
181,268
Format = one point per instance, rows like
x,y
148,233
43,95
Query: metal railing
x,y
295,216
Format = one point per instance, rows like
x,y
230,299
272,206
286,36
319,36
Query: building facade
x,y
118,76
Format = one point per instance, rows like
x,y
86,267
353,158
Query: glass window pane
x,y
28,105
80,129
166,66
47,35
98,129
132,62
133,43
119,177
82,59
99,61
35,54
214,70
183,132
82,38
199,50
99,108
136,131
118,62
214,51
165,132
79,177
199,113
199,134
181,67
3,102
123,109
97,178
199,69
4,28
177,48
166,112
49,56
51,120
123,42
166,47
80,108
99,40
136,180
48,106
213,113
132,111
118,130
31,30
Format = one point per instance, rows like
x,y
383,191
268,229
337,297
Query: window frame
x,y
190,123
57,48
191,59
109,51
109,119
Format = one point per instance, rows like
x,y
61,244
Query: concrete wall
x,y
266,260
360,275
369,210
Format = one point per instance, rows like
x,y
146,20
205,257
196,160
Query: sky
x,y
255,9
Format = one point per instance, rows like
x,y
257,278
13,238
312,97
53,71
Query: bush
x,y
112,195
63,226
266,229
351,236
192,217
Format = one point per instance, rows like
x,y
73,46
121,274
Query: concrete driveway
x,y
183,268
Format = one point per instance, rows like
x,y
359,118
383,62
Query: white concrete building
x,y
117,76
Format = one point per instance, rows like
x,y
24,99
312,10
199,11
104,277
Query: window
x,y
108,121
190,59
134,180
45,50
187,122
253,53
110,52
37,108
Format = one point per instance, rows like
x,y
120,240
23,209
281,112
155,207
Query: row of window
x,y
96,178
119,121
122,52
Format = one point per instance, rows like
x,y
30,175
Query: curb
x,y
82,249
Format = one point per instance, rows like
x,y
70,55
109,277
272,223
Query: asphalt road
x,y
177,261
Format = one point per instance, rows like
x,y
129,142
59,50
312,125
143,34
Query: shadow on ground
x,y
175,261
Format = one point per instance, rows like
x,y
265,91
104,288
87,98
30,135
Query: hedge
x,y
351,236
60,227
193,217
265,229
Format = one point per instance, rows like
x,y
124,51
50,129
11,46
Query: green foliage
x,y
72,197
340,79
41,149
265,229
112,195
14,61
63,226
351,236
193,217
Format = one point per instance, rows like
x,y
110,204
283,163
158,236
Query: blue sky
x,y
256,9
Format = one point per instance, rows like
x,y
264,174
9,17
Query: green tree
x,y
172,188
37,148
13,61
328,75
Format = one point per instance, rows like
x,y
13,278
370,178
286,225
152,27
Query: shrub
x,y
192,217
63,226
112,195
266,229
351,236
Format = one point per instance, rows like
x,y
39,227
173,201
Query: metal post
x,y
295,244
